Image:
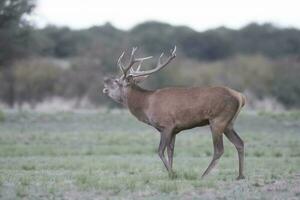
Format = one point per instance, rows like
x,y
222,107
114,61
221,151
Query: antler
x,y
131,61
160,65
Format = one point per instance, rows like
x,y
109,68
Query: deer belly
x,y
189,119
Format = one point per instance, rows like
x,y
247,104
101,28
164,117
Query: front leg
x,y
170,150
165,139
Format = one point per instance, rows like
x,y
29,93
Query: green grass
x,y
110,155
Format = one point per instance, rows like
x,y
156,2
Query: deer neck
x,y
137,101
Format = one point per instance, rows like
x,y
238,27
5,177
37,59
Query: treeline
x,y
35,64
153,37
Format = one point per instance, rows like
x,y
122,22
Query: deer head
x,y
115,88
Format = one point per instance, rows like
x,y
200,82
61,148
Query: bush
x,y
35,80
286,87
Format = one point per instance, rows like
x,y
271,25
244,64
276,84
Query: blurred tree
x,y
154,37
61,42
207,46
250,58
35,80
268,40
285,86
77,81
14,41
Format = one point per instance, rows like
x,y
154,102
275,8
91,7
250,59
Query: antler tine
x,y
139,67
133,51
174,51
132,59
159,66
140,60
120,62
131,62
131,70
159,59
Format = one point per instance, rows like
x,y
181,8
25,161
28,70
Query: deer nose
x,y
105,90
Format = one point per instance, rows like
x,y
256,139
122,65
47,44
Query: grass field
x,y
110,155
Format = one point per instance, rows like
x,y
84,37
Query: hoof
x,y
240,177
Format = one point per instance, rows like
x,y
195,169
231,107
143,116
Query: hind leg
x,y
217,136
239,145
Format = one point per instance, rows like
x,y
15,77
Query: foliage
x,y
35,80
81,80
245,59
285,86
13,28
153,37
258,57
15,40
207,46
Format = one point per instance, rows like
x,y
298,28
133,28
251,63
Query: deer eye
x,y
116,82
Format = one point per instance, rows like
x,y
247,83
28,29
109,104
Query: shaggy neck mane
x,y
137,101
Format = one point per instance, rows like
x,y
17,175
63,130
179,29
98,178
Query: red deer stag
x,y
171,110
